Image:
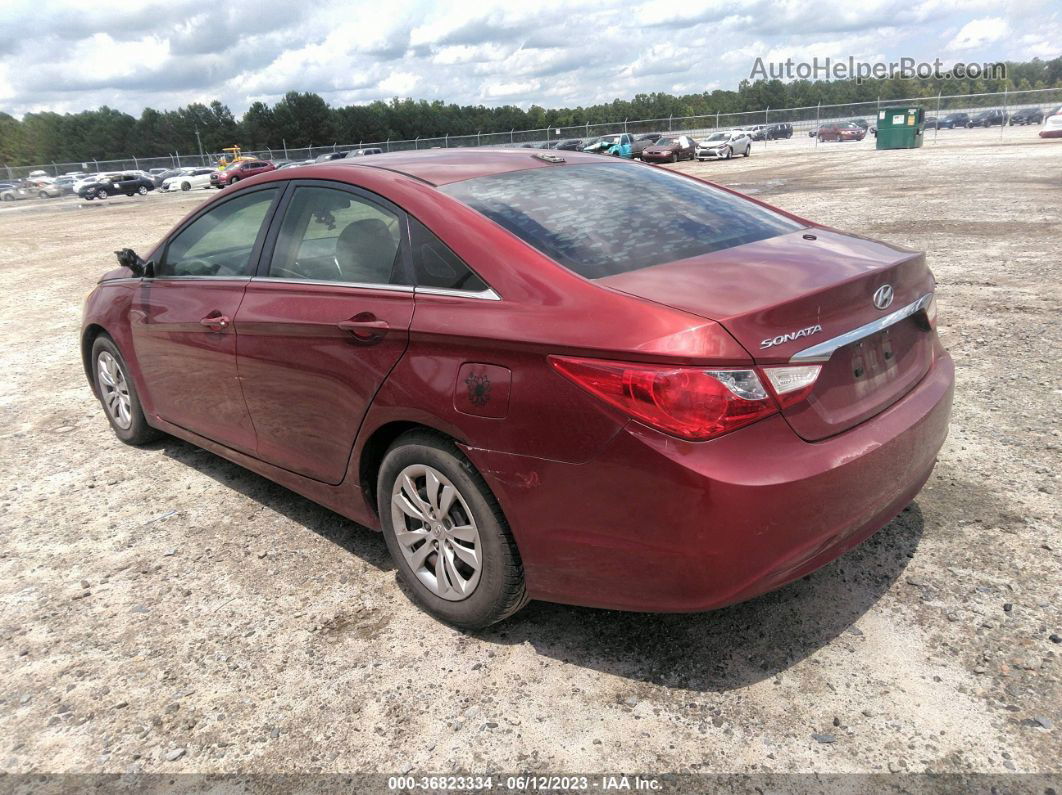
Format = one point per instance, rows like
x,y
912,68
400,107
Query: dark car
x,y
330,156
241,169
782,130
862,124
953,120
988,118
117,185
1027,116
576,379
842,131
643,141
571,144
670,149
930,123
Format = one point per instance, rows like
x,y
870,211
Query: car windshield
x,y
718,137
666,141
591,218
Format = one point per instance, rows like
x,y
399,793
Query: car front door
x,y
182,318
323,324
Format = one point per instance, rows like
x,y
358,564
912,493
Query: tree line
x,y
302,119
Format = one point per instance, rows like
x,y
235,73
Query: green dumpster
x,y
901,128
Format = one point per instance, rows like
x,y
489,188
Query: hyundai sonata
x,y
535,388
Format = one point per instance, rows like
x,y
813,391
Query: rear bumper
x,y
658,524
1051,133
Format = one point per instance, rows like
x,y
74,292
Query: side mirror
x,y
128,258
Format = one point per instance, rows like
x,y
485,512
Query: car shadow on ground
x,y
347,535
732,647
719,650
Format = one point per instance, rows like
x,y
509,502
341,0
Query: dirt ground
x,y
164,610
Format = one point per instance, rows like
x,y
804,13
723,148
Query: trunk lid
x,y
785,294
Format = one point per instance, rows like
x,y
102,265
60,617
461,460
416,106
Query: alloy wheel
x,y
114,390
436,532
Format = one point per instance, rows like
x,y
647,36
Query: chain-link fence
x,y
771,126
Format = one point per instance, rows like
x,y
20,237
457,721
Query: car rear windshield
x,y
603,219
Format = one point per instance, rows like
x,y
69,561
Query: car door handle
x,y
365,326
216,322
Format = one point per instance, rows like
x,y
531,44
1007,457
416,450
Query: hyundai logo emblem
x,y
883,296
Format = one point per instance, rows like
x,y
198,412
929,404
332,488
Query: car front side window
x,y
221,241
336,236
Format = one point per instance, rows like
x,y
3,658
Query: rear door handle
x,y
216,322
365,326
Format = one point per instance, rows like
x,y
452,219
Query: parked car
x,y
190,179
862,124
1052,124
294,163
29,189
953,120
842,131
1027,116
65,184
365,152
641,142
781,130
988,118
930,124
330,156
670,149
154,172
724,145
571,145
618,144
118,184
646,417
159,179
241,169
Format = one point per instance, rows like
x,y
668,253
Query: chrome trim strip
x,y
824,350
482,295
395,288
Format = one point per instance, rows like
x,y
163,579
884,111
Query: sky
x,y
68,56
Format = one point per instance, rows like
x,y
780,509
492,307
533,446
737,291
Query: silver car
x,y
724,145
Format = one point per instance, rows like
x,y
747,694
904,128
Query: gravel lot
x,y
164,610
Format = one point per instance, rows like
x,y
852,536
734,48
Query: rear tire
x,y
496,590
142,190
117,394
748,150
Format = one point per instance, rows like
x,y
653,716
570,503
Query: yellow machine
x,y
233,157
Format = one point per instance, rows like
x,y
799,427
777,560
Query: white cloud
x,y
62,55
976,33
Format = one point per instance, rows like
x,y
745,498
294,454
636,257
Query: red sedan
x,y
533,387
844,131
241,169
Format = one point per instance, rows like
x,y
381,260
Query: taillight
x,y
792,383
692,403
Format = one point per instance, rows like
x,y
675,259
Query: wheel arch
x,y
89,335
375,447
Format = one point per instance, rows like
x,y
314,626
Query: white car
x,y
724,145
1052,126
192,179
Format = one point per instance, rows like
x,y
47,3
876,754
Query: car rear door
x,y
323,323
182,318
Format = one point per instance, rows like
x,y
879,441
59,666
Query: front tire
x,y
186,186
446,533
117,393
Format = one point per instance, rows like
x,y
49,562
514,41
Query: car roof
x,y
443,166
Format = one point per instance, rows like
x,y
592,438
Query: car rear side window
x,y
438,266
603,219
220,241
